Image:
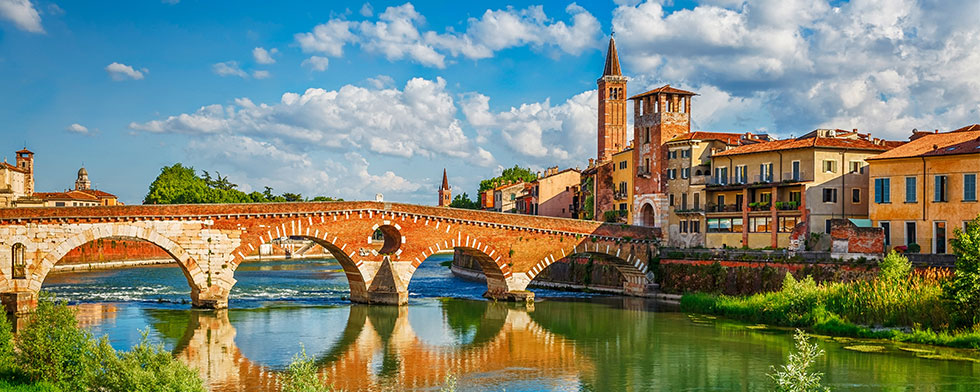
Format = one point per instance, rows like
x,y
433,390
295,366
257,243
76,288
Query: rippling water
x,y
587,342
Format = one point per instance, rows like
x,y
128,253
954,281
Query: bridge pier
x,y
18,303
387,287
213,298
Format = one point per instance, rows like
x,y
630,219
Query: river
x,y
564,342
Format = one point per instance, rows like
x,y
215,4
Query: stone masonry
x,y
209,242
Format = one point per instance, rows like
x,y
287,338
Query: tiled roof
x,y
730,138
70,195
965,140
11,167
98,193
612,60
810,142
25,151
665,89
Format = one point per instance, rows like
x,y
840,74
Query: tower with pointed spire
x,y
445,194
612,106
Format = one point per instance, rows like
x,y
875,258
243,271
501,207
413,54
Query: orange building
x,y
926,189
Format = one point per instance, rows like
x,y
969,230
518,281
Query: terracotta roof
x,y
965,140
25,151
730,138
664,89
11,167
810,142
612,60
70,195
97,193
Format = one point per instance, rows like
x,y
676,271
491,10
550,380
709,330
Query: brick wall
x,y
849,238
114,249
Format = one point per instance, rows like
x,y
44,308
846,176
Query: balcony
x,y
700,180
620,195
723,208
759,180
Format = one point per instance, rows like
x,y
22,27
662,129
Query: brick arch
x,y
196,278
625,265
492,261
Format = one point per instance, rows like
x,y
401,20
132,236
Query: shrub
x,y
795,375
964,290
913,248
52,348
6,343
146,367
894,268
301,375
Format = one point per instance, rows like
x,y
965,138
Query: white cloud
x,y
77,128
316,63
881,66
397,35
119,72
263,56
539,131
261,74
229,68
23,14
367,10
418,120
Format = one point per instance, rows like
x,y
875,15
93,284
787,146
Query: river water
x,y
579,342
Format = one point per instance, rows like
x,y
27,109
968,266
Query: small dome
x,y
82,172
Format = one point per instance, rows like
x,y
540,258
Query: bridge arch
x,y
196,278
358,288
634,272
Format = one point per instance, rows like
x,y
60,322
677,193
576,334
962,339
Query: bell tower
x,y
612,106
25,162
445,194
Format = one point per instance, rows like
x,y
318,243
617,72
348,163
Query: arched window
x,y
18,262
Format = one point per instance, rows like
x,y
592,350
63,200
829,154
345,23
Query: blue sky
x,y
351,98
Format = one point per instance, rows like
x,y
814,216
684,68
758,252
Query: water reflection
x,y
379,347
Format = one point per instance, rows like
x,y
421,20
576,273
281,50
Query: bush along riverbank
x,y
923,306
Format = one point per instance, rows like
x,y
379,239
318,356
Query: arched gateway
x,y
209,242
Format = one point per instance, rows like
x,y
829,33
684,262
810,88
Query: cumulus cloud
x,y
120,72
22,14
77,128
261,74
397,34
229,68
263,56
367,10
418,120
881,66
316,63
540,131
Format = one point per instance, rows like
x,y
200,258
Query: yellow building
x,y
688,170
927,188
758,193
622,179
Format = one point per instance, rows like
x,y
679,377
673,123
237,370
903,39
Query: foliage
x,y
179,184
613,216
894,268
964,289
450,385
509,176
913,248
6,343
52,348
301,375
795,375
463,201
146,367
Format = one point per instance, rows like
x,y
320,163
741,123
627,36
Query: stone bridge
x,y
209,241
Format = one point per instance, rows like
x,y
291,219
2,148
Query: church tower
x,y
612,106
445,194
25,162
82,183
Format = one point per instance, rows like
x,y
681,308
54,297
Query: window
x,y
721,175
830,195
910,191
887,228
721,200
59,204
513,196
765,198
695,226
683,226
910,233
788,223
622,206
883,190
796,197
724,225
697,201
683,201
856,195
765,172
19,263
760,224
671,198
969,187
739,198
826,228
796,170
855,167
939,234
685,172
741,174
622,164
939,192
829,166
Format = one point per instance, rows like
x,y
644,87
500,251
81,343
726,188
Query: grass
x,y
906,309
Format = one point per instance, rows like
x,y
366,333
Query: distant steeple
x,y
445,194
445,180
612,60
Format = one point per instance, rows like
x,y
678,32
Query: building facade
x,y
926,189
758,193
622,181
505,197
659,115
553,193
17,181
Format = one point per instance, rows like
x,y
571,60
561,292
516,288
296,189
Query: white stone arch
x,y
196,278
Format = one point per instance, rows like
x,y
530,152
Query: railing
x,y
723,208
620,195
699,180
787,205
718,181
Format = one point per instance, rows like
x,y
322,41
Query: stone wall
x,y
849,239
743,278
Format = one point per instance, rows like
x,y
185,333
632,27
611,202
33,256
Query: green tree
x,y
463,201
179,184
509,176
963,291
292,197
52,348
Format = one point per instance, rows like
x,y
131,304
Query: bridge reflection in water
x,y
380,349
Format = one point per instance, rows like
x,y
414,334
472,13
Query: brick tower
x,y
25,161
658,116
445,194
612,106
